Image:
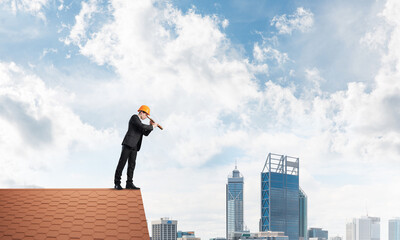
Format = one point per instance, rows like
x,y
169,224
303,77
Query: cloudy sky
x,y
229,81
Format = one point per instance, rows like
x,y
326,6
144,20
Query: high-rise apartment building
x,y
364,228
394,229
234,203
164,229
302,215
280,195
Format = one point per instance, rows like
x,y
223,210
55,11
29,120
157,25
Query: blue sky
x,y
251,19
229,80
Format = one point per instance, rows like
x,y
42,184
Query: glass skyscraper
x,y
280,195
394,229
234,203
303,215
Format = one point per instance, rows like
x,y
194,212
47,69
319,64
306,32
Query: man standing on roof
x,y
131,145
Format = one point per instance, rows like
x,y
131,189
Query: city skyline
x,y
279,182
364,228
230,81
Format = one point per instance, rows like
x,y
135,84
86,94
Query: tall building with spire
x,y
234,204
280,196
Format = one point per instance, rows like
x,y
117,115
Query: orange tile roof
x,y
72,214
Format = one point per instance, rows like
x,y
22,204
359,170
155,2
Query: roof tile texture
x,y
72,214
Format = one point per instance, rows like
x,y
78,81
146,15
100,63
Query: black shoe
x,y
131,186
118,186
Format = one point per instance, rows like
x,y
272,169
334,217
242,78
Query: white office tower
x,y
394,229
351,231
164,229
364,228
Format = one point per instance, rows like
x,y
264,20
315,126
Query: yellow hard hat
x,y
145,109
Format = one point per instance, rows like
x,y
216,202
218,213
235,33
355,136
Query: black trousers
x,y
129,154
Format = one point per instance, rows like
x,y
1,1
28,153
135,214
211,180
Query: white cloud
x,y
225,23
34,7
313,84
266,52
61,6
302,20
376,39
38,130
78,33
48,50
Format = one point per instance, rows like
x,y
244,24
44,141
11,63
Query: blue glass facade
x,y
280,196
318,233
234,203
303,215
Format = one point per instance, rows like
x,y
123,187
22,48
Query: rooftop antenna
x,y
235,163
366,207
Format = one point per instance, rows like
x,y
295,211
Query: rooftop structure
x,y
72,214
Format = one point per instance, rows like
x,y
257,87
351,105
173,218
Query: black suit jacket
x,y
136,130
